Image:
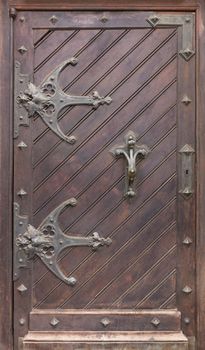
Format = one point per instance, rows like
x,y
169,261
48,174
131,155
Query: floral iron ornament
x,y
48,241
131,151
48,99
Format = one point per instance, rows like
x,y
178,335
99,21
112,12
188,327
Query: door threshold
x,y
104,340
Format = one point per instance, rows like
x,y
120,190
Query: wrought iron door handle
x,y
48,241
131,151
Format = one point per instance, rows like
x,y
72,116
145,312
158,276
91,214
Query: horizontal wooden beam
x,y
82,320
103,4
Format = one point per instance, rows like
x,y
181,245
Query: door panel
x,y
143,280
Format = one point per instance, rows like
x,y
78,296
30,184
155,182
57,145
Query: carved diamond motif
x,y
54,322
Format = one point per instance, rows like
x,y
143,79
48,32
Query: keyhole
x,y
187,172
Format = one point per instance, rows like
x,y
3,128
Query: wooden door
x,y
104,257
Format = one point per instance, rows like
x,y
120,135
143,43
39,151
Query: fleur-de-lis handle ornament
x,y
131,151
47,241
48,99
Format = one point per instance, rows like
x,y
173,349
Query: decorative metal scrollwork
x,y
48,241
48,99
131,151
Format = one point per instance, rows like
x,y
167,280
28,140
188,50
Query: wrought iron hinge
x,y
47,241
187,21
12,12
48,99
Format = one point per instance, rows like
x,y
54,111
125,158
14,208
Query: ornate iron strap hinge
x,y
47,100
187,21
47,242
130,151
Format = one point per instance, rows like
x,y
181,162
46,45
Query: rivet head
x,y
54,322
153,20
22,50
187,320
156,322
187,290
21,192
22,19
187,54
22,145
186,100
187,241
105,322
22,321
72,281
104,19
22,289
53,19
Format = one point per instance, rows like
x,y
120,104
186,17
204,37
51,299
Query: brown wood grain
x,y
123,321
104,4
200,239
5,181
62,171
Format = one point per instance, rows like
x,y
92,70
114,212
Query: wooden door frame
x,y
7,14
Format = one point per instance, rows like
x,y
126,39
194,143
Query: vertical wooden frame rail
x,y
5,180
6,144
200,236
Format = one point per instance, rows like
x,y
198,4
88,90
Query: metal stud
x,y
187,241
22,49
22,321
186,320
187,290
187,54
156,322
54,322
22,145
153,20
104,19
105,322
53,19
21,192
22,289
186,100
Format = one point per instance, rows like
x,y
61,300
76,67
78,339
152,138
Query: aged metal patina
x,y
187,22
131,151
48,99
187,163
47,241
